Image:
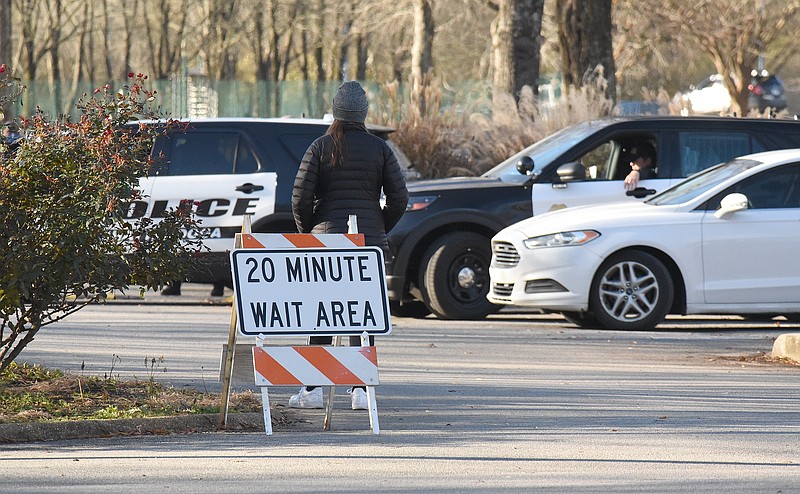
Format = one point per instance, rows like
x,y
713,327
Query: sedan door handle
x,y
640,192
249,188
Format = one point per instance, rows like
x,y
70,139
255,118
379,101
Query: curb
x,y
787,346
89,429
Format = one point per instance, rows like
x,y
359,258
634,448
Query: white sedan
x,y
724,241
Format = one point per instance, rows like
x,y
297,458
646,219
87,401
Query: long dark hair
x,y
338,150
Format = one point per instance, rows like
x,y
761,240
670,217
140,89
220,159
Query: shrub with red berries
x,y
64,239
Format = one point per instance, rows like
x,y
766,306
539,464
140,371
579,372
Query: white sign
x,y
315,292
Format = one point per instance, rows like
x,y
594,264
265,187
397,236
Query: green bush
x,y
63,240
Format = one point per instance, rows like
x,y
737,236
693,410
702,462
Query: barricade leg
x,y
267,413
326,425
373,403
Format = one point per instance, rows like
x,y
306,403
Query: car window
x,y
690,188
699,150
297,144
544,151
598,161
202,153
611,160
777,188
246,161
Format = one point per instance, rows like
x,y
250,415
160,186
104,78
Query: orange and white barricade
x,y
309,285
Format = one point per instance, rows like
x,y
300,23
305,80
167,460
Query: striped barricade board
x,y
315,366
311,285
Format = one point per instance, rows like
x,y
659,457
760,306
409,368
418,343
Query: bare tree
x,y
733,34
165,28
222,28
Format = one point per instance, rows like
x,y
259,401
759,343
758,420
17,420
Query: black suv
x,y
440,249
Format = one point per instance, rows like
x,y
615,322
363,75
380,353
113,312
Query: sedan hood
x,y
593,217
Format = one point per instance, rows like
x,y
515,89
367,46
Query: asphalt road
x,y
515,403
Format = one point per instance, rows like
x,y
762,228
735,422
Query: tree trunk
x,y
584,34
516,41
5,48
55,54
361,57
502,50
319,60
344,50
527,42
422,47
128,16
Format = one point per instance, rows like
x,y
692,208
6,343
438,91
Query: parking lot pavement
x,y
513,403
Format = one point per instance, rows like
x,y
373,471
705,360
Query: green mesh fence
x,y
198,97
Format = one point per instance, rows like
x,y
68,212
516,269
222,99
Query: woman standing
x,y
343,174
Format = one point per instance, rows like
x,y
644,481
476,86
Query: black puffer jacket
x,y
324,196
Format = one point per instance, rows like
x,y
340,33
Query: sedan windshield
x,y
543,152
701,182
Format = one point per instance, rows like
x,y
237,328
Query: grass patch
x,y
36,394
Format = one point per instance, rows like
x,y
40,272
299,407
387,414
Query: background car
x,y
440,250
766,91
710,96
721,242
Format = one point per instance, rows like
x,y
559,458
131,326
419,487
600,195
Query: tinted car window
x,y
687,190
544,151
776,188
699,150
246,161
297,144
611,159
202,153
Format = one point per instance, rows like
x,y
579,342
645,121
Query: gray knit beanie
x,y
350,103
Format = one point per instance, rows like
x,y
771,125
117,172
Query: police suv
x,y
231,167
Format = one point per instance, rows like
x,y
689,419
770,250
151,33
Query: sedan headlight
x,y
416,203
561,239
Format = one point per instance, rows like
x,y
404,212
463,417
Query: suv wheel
x,y
631,291
454,276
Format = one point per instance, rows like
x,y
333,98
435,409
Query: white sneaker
x,y
358,399
306,398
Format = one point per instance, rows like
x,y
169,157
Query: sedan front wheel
x,y
632,290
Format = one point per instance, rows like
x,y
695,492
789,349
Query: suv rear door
x,y
217,169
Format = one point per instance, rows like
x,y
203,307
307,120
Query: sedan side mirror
x,y
731,204
571,172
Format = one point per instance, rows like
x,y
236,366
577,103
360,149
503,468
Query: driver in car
x,y
643,160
